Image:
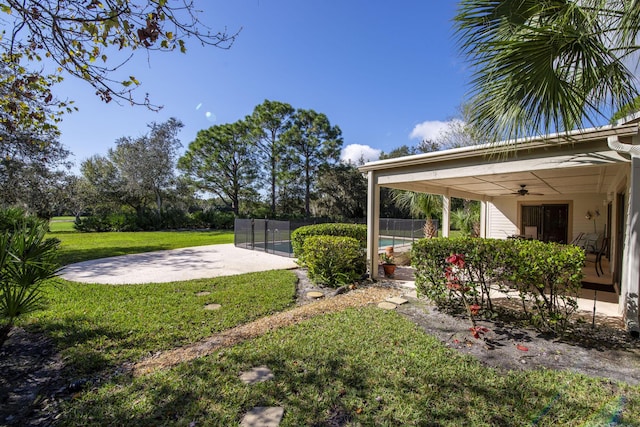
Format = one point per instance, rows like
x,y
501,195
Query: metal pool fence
x,y
273,236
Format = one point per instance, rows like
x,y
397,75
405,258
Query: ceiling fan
x,y
524,192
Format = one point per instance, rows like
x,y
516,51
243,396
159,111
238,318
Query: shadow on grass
x,y
334,395
81,342
356,368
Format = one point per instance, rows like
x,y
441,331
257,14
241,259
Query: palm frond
x,y
418,204
542,66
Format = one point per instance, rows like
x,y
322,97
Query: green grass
x,y
98,326
455,234
372,366
62,224
369,366
77,247
68,218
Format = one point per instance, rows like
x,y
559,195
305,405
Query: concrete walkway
x,y
175,265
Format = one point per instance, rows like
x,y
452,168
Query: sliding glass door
x,y
549,223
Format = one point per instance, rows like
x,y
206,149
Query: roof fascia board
x,y
416,172
503,147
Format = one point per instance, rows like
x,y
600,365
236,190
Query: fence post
x,y
393,235
253,235
412,227
266,235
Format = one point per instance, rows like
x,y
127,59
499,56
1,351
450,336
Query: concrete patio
x,y
175,265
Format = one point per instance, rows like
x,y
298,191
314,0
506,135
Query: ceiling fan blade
x,y
523,192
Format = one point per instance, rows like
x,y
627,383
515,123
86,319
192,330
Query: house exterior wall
x,y
501,219
503,214
592,203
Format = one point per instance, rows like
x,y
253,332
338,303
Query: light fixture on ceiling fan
x,y
524,192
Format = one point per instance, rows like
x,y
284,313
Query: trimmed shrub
x,y
549,276
92,223
214,219
149,220
482,267
334,260
116,221
299,236
173,218
546,276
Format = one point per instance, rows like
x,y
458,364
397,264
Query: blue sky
x,y
386,72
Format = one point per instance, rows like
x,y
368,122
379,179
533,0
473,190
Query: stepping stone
x,y
412,294
397,300
212,307
203,293
387,305
263,416
256,375
315,294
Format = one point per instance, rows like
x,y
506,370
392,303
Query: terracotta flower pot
x,y
389,269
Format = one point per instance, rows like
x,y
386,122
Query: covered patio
x,y
558,188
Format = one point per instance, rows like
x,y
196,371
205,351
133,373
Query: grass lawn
x,y
98,326
369,366
62,224
360,367
77,246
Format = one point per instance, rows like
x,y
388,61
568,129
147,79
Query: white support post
x,y
373,223
483,219
446,208
630,287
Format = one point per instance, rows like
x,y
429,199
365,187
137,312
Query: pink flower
x,y
477,331
474,308
453,285
457,260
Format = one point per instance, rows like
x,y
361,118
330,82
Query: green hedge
x,y
545,276
299,235
334,260
171,219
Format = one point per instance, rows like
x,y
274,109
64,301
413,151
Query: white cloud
x,y
430,129
355,152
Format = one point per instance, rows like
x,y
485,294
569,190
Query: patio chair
x,y
595,256
531,232
577,239
589,242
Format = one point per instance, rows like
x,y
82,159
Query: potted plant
x,y
388,264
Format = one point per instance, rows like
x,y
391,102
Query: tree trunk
x,y
273,187
235,201
307,193
159,203
475,232
430,230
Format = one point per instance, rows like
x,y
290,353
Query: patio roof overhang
x,y
579,162
561,166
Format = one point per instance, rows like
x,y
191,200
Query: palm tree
x,y
420,204
546,66
467,219
27,261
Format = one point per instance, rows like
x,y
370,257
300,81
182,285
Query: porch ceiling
x,y
580,162
547,182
